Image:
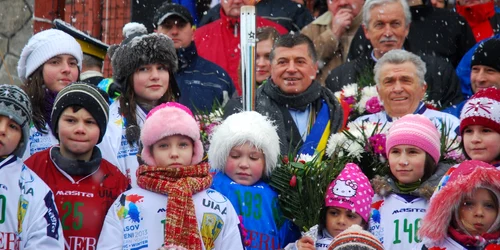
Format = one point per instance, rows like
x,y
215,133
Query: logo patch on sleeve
x,y
51,217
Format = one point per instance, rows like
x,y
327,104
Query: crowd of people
x,y
88,162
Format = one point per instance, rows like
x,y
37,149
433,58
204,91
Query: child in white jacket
x,y
465,213
28,215
173,205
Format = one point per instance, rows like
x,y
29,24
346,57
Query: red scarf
x,y
468,240
478,16
179,184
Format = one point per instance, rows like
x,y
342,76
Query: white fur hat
x,y
45,45
237,129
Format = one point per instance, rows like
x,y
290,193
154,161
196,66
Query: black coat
x,y
290,138
433,31
284,12
443,86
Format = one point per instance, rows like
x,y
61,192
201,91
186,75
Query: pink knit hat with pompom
x,y
168,119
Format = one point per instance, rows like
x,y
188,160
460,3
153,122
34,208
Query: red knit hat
x,y
483,108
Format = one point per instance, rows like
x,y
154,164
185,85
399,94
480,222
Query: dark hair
x,y
291,40
91,61
322,220
430,167
266,33
128,106
34,88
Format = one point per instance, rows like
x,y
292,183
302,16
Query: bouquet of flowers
x,y
207,122
361,100
362,143
451,151
301,184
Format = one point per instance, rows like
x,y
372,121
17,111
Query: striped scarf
x,y
179,184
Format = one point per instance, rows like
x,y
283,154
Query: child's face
x,y
10,135
245,164
173,151
478,212
339,219
59,71
151,82
407,163
78,134
481,143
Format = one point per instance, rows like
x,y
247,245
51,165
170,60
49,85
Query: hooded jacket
x,y
464,180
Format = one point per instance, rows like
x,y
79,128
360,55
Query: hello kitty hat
x,y
351,190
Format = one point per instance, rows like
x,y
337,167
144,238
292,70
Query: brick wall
x,y
102,19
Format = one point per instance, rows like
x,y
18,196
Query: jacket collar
x,y
187,55
229,22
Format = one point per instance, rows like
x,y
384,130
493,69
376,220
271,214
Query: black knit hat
x,y
86,96
15,104
144,50
487,54
172,9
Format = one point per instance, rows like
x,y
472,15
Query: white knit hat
x,y
45,45
237,129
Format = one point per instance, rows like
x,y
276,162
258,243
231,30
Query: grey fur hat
x,y
237,129
15,104
143,50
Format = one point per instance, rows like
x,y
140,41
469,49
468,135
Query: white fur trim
x,y
237,129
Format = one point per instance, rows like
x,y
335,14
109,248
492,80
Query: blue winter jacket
x,y
201,82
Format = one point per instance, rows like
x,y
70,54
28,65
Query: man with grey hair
x,y
386,23
399,77
436,32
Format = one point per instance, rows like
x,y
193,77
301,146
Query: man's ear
x,y
365,31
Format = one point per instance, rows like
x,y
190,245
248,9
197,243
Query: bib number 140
x,y
409,228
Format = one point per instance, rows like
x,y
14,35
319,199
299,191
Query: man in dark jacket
x,y
434,32
287,13
299,106
386,25
202,83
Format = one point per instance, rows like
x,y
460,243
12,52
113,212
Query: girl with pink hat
x,y
401,200
347,202
173,205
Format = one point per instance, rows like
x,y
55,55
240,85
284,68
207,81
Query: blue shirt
x,y
258,205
